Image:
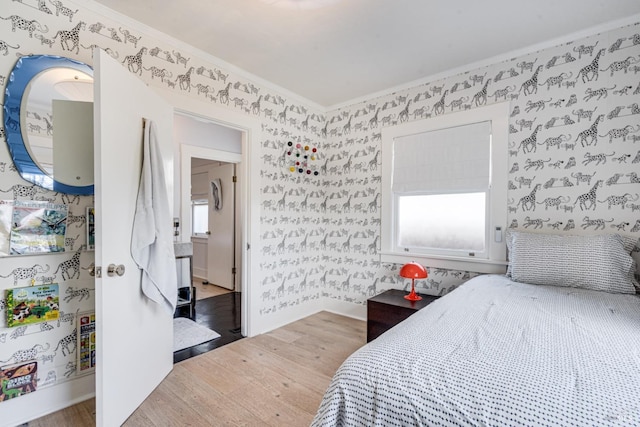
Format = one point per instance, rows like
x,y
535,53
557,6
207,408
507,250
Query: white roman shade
x,y
446,160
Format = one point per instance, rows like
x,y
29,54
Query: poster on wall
x,y
32,304
91,228
37,228
86,342
19,379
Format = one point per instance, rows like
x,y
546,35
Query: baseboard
x,y
289,315
41,403
355,311
283,318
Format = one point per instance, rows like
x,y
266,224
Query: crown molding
x,y
591,31
100,9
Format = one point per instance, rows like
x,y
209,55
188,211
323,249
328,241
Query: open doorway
x,y
214,222
211,155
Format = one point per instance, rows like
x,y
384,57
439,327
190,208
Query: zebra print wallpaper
x,y
574,161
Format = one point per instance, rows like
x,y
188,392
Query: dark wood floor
x,y
220,313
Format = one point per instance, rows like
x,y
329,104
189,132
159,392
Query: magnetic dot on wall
x,y
299,159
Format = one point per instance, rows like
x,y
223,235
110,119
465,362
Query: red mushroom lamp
x,y
413,271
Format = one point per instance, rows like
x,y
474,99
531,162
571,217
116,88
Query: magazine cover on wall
x,y
37,228
32,304
87,342
6,210
91,228
19,379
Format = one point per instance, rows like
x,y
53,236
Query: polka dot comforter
x,y
498,353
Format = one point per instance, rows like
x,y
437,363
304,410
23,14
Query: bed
x,y
498,351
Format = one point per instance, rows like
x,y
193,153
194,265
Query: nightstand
x,y
389,308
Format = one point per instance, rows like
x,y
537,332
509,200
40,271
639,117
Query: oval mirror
x,y
48,121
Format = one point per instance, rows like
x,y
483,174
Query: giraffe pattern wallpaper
x,y
574,160
574,156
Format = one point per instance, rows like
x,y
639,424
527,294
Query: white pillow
x,y
600,262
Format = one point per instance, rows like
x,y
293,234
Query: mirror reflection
x,y
59,124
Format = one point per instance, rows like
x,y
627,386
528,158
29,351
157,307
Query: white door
x,y
221,241
134,334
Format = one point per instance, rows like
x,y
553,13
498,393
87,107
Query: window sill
x,y
202,238
451,263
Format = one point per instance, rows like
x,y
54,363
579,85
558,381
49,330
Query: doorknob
x,y
92,269
115,269
208,233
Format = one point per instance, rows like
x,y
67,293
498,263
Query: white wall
x,y
200,256
203,133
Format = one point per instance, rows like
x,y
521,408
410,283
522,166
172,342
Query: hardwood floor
x,y
274,379
209,290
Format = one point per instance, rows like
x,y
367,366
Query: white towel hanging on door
x,y
152,237
216,193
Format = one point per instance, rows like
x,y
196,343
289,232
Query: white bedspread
x,y
498,353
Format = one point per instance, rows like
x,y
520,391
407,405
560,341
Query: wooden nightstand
x,y
389,308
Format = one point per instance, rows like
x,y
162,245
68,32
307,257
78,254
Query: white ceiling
x,y
348,49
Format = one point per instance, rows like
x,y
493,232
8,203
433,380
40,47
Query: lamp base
x,y
413,296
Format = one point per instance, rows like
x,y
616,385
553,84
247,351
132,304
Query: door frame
x,y
188,152
249,189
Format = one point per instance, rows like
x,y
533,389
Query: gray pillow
x,y
600,262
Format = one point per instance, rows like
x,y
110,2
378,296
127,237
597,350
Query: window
x,y
444,190
200,217
446,223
